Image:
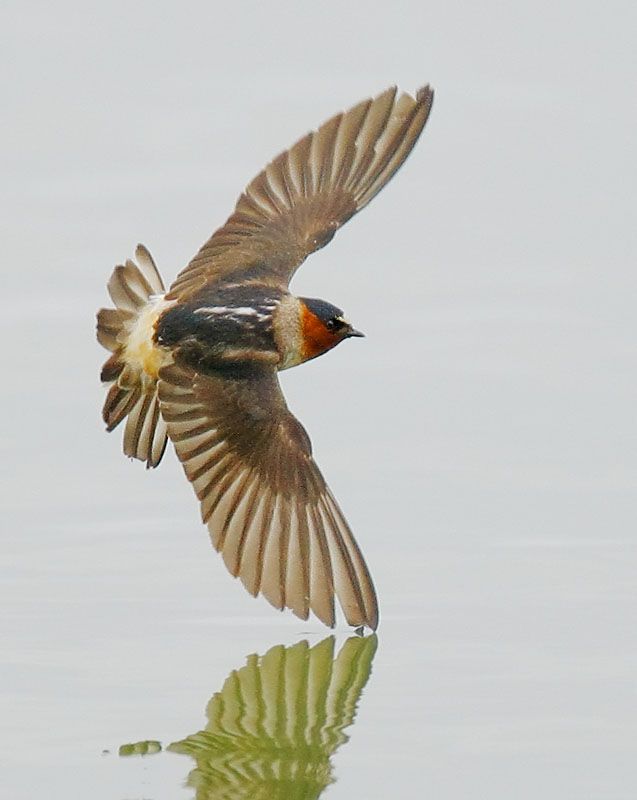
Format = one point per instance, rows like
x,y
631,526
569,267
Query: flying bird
x,y
198,364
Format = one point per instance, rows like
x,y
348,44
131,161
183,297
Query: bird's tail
x,y
131,372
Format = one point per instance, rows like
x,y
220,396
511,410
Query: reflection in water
x,y
276,722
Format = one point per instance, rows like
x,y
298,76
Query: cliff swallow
x,y
198,364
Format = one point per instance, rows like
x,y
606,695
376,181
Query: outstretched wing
x,y
299,201
263,498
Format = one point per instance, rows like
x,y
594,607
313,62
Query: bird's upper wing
x,y
266,504
299,201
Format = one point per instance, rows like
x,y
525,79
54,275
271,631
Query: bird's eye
x,y
334,324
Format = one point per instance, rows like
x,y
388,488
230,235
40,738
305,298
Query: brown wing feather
x,y
266,504
299,201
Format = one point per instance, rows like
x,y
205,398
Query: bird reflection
x,y
275,724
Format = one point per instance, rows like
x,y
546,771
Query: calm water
x,y
498,669
481,439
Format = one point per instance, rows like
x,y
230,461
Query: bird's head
x,y
323,326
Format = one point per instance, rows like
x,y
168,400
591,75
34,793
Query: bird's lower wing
x,y
263,498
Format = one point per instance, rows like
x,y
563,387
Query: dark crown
x,y
324,311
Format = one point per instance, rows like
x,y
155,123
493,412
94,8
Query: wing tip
x,y
425,98
369,618
425,93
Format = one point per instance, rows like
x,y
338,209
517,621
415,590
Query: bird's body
x,y
198,363
228,326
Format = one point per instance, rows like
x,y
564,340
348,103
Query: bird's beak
x,y
354,332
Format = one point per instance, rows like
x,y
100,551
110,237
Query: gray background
x,y
481,440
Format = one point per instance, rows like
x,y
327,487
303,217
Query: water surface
x,y
481,439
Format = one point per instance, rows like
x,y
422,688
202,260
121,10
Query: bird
x,y
198,363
